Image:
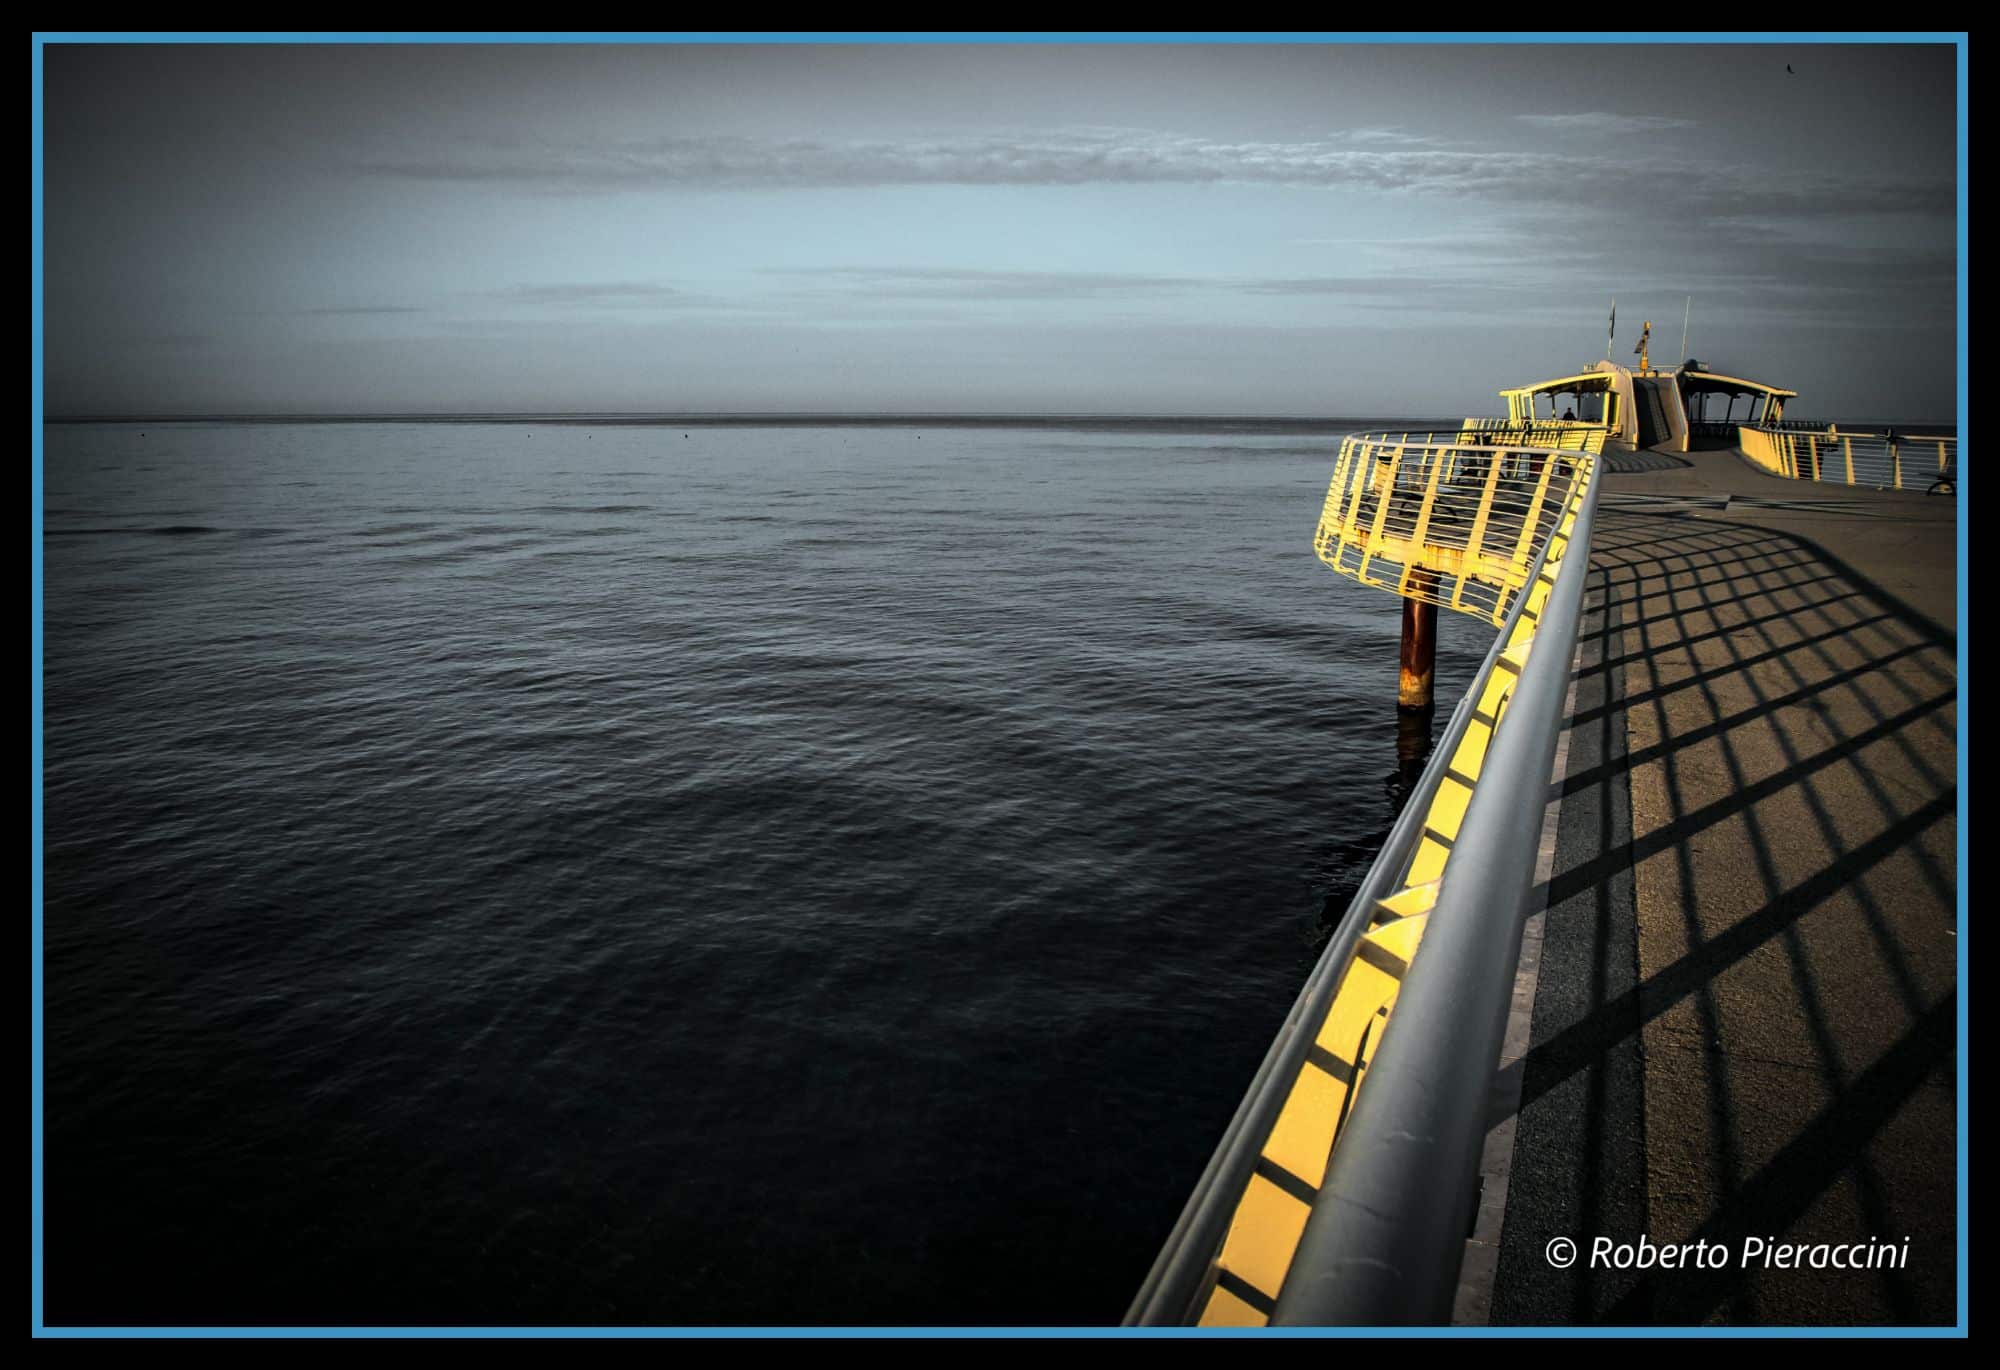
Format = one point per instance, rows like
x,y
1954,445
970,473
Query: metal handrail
x,y
1193,1279
1712,428
1827,427
1384,1242
1880,461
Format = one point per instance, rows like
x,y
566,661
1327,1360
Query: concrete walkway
x,y
1744,1025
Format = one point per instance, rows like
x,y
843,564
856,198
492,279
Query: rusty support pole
x,y
1419,654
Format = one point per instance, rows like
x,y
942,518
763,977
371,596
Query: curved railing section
x,y
1455,518
1252,1245
1881,461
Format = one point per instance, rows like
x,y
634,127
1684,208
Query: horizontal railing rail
x,y
1238,1254
1882,461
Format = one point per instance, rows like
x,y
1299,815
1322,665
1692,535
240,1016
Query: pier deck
x,y
1745,1016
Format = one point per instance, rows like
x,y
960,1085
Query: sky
x,y
1262,229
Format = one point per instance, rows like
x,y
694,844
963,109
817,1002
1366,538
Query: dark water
x,y
596,874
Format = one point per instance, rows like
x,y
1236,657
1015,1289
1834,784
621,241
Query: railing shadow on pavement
x,y
1792,771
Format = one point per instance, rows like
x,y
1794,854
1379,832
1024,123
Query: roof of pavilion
x,y
1579,383
1702,380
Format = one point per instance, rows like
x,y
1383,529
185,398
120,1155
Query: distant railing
x,y
1325,1202
1726,429
1452,518
1538,432
1882,461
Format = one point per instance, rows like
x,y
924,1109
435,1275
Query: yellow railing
x,y
1484,528
1878,460
1452,518
1567,433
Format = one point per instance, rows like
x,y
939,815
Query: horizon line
x,y
789,417
687,416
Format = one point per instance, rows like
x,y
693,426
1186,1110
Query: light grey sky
x,y
1132,228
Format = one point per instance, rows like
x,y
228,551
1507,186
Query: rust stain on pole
x,y
1419,655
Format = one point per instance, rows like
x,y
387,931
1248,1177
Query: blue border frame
x,y
1964,660
35,685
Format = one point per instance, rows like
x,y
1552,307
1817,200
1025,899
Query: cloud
x,y
1606,123
1383,135
1354,287
953,283
1088,158
968,284
1097,157
1374,163
1741,266
613,295
623,294
174,341
340,310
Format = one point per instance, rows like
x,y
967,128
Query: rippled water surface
x,y
554,873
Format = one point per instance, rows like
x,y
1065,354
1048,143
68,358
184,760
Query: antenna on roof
x,y
1684,329
1612,336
